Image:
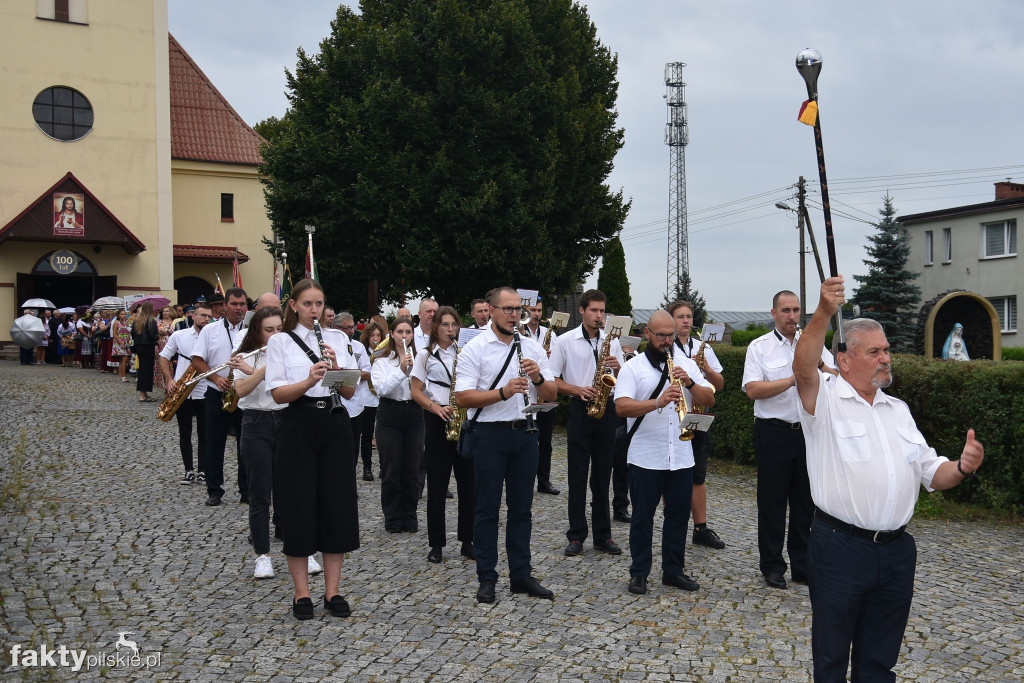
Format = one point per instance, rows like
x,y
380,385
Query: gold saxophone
x,y
229,400
454,425
681,408
702,364
603,381
169,406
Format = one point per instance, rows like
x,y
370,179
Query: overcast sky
x,y
920,97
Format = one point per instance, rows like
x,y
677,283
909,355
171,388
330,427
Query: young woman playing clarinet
x,y
371,336
432,376
315,484
399,430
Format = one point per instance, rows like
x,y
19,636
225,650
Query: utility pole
x,y
677,136
801,196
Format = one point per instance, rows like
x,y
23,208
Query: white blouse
x,y
389,380
435,372
288,364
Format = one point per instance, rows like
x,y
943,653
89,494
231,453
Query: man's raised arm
x,y
812,340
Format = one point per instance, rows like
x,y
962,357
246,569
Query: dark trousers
x,y
503,458
314,482
366,426
26,356
546,425
259,443
591,447
620,470
442,459
356,423
192,408
400,444
647,488
217,424
144,377
781,481
860,595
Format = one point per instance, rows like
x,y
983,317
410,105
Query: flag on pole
x,y
219,289
286,284
236,276
808,112
277,281
310,262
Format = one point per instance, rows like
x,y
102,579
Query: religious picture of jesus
x,y
68,214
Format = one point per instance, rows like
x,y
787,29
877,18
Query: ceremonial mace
x,y
808,63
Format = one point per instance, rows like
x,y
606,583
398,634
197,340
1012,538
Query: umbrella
x,y
157,301
27,331
108,303
66,309
38,303
80,310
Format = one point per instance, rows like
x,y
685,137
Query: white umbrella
x,y
108,303
66,309
38,303
27,331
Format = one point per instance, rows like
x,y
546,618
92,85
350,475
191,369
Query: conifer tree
x,y
685,293
613,281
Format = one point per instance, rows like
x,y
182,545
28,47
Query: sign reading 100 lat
x,y
63,262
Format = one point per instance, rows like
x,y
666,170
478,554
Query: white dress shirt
x,y
692,347
656,444
574,358
288,364
215,344
421,338
680,358
389,380
537,336
259,398
182,343
480,361
866,462
770,357
363,393
434,370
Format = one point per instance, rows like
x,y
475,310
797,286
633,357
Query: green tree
x,y
612,279
442,147
271,128
685,293
888,293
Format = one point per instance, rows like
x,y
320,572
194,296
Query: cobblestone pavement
x,y
99,538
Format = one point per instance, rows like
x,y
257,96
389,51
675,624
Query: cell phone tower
x,y
677,136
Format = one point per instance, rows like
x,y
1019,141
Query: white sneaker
x,y
264,569
313,567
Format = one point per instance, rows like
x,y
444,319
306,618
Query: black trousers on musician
x,y
192,408
366,426
620,470
218,423
591,448
782,482
546,425
400,444
442,460
356,425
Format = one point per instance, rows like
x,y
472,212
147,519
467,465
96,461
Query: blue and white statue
x,y
954,348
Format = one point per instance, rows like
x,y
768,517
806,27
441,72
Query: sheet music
x,y
335,379
713,332
466,334
698,422
535,408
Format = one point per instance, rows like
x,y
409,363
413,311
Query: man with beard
x,y
867,462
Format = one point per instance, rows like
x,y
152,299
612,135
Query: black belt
x,y
507,424
311,402
876,536
779,423
384,400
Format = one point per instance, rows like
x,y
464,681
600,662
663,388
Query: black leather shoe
x,y
434,555
775,580
302,609
336,606
486,591
680,581
468,551
243,500
367,474
638,585
546,487
623,517
799,578
709,538
609,546
532,587
213,501
573,549
449,494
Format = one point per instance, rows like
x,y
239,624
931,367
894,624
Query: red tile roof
x,y
204,127
200,254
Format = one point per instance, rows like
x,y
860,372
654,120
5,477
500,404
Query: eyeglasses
x,y
664,336
449,325
510,310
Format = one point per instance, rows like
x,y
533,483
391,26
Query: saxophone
x,y
229,400
454,425
681,408
603,381
702,365
172,402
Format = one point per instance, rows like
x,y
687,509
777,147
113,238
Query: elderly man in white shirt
x,y
867,462
660,465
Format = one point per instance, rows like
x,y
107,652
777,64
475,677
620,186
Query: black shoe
x,y
638,585
546,487
434,555
573,549
411,529
213,501
775,580
609,546
531,586
449,494
623,516
709,538
680,581
336,606
799,578
244,500
468,551
302,609
367,474
486,591
393,529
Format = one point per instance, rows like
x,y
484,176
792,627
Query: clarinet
x,y
337,405
531,424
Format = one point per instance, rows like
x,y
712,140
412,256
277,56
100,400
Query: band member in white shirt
x,y
431,389
356,405
371,337
315,484
546,420
399,430
481,313
660,465
181,343
495,376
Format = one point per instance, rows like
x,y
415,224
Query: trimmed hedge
x,y
946,398
1013,353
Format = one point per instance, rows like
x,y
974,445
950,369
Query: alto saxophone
x,y
681,408
454,425
702,364
603,381
229,400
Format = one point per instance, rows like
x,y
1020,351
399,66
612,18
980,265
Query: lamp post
x,y
802,252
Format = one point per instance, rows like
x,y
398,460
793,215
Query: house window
x,y
1006,308
928,248
227,207
947,245
62,113
69,11
999,239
